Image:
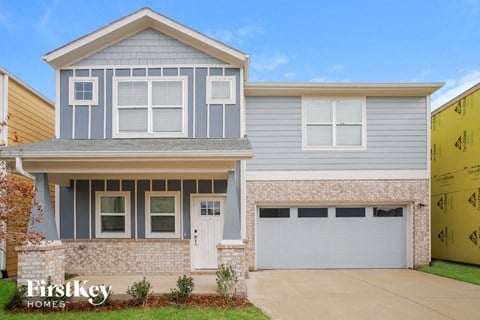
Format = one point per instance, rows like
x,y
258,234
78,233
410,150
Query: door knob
x,y
195,238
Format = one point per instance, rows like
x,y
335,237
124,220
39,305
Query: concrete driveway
x,y
362,294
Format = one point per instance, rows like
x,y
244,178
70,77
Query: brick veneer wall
x,y
337,192
234,255
127,256
37,263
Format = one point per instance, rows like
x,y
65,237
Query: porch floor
x,y
160,283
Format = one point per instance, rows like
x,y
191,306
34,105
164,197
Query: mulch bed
x,y
157,301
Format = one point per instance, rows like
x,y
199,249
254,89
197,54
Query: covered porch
x,y
138,206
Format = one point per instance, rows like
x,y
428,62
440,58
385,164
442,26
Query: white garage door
x,y
362,237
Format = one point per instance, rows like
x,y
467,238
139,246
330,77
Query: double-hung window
x,y
112,210
162,214
334,123
153,107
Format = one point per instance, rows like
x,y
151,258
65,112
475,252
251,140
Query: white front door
x,y
207,230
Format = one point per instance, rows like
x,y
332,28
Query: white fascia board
x,y
137,155
365,89
134,23
338,175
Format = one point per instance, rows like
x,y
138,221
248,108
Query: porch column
x,y
47,226
38,262
231,250
231,226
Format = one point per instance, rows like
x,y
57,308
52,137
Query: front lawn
x,y
455,271
7,287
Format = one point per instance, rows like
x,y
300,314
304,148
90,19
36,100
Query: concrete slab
x,y
362,294
161,284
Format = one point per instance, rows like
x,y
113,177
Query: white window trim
x,y
71,91
233,90
148,233
115,118
306,147
98,229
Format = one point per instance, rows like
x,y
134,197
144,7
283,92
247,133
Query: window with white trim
x,y
221,90
112,211
82,91
153,107
162,214
334,123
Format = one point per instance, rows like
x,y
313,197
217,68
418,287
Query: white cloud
x,y
289,75
421,75
269,63
338,67
5,20
44,18
237,36
454,87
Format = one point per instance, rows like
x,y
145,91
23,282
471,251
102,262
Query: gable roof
x,y
4,71
138,21
456,99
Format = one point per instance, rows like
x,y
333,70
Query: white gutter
x,y
23,172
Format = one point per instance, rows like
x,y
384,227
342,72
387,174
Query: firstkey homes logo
x,y
42,294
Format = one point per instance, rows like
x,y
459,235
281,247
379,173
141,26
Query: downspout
x,y
19,168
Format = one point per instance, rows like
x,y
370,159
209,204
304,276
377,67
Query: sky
x,y
288,41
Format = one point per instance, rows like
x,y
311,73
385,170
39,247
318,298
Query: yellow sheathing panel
x,y
32,118
456,181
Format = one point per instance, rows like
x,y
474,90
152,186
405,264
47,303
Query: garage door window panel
x,y
387,212
313,212
350,213
274,213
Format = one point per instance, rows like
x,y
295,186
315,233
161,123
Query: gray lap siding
x,y
396,136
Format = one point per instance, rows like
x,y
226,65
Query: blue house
x,y
168,160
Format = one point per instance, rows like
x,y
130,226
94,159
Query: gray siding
x,y
95,122
396,136
76,217
148,47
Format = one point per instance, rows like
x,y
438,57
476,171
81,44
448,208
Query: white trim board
x,y
338,175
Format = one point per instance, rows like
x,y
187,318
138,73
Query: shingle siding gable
x,y
148,47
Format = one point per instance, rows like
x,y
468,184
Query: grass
x,y
457,271
7,287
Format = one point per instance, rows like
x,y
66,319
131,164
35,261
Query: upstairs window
x,y
221,90
151,107
82,91
334,123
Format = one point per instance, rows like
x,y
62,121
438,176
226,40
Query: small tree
x,y
17,199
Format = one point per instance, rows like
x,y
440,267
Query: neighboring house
x,y
456,178
31,120
169,160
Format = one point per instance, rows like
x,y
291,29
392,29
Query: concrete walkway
x,y
362,294
161,284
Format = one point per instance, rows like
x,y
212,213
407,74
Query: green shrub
x,y
226,280
182,292
140,291
17,298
